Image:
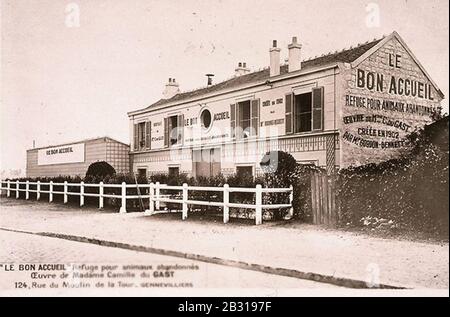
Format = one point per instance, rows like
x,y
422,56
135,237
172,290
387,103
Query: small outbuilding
x,y
73,159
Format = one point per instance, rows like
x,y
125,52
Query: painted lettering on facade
x,y
388,96
73,153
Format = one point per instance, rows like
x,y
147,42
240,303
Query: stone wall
x,y
383,99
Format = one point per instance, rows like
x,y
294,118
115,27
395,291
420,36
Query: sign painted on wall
x,y
395,85
388,97
377,131
71,153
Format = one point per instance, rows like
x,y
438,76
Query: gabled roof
x,y
395,35
344,56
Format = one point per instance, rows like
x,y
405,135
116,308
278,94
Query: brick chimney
x,y
295,50
241,69
172,88
274,59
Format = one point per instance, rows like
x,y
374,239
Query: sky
x,y
71,70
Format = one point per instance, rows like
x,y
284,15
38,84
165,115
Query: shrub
x,y
100,169
283,178
408,193
282,170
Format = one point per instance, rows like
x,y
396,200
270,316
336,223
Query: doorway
x,y
206,162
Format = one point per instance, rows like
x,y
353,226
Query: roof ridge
x,y
345,49
282,64
310,61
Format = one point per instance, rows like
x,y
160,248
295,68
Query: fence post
x,y
185,198
38,190
8,188
17,189
27,190
291,201
65,192
226,200
50,192
81,194
123,207
157,196
151,203
100,195
258,203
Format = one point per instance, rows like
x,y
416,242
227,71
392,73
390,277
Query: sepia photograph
x,y
224,149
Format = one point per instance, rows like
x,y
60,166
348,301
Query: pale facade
x,y
307,109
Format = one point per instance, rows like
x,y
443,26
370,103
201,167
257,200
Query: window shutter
x,y
136,139
233,120
166,132
148,129
317,108
180,129
255,116
289,114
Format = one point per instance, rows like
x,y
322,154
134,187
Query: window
x,y
244,119
244,171
173,130
142,172
142,136
174,171
303,112
317,105
206,118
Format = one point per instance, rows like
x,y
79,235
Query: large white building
x,y
345,108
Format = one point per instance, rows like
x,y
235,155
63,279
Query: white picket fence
x,y
154,195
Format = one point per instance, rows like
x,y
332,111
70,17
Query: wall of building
x,y
375,120
308,147
117,155
370,107
103,149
